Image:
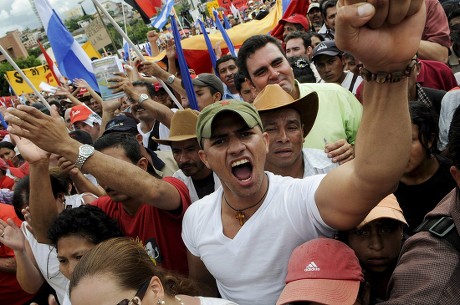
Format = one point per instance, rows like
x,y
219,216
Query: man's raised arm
x,y
386,45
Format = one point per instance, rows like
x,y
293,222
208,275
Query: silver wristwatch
x,y
171,79
142,98
84,152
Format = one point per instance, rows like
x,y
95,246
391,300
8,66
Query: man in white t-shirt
x,y
241,236
328,61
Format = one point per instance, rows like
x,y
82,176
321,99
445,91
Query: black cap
x,y
121,123
326,48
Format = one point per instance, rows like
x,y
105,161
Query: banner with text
x,y
36,75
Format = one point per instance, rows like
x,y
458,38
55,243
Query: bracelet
x,y
385,77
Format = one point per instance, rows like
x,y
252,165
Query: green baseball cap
x,y
245,110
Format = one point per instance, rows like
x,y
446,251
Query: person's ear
x,y
156,287
204,158
455,172
143,163
217,96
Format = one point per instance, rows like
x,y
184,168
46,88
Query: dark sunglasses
x,y
138,297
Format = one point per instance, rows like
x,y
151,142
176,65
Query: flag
x,y
162,18
90,50
227,40
236,13
186,79
148,49
211,52
147,8
54,70
126,56
295,7
226,23
70,57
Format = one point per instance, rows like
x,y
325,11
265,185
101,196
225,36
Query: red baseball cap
x,y
298,19
81,113
322,270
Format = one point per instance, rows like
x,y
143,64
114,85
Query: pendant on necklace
x,y
240,217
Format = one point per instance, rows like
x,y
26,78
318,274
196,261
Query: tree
x,y
34,52
23,63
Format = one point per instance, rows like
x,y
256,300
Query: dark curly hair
x,y
86,221
427,122
59,186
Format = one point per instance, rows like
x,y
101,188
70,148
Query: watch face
x,y
144,96
86,149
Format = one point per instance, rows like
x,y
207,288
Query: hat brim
x,y
307,106
324,291
169,140
328,53
382,212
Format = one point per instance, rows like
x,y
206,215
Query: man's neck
x,y
232,89
422,173
295,93
204,173
295,170
147,126
131,206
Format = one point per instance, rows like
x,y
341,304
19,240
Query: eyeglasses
x,y
138,297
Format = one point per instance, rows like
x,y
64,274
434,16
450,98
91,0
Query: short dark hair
x,y
223,59
59,185
306,37
81,136
250,46
427,122
123,140
301,69
149,86
239,79
6,144
87,221
327,4
317,35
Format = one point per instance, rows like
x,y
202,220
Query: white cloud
x,y
18,14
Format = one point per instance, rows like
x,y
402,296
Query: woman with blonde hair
x,y
119,271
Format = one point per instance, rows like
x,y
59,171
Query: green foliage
x,y
35,52
72,24
23,63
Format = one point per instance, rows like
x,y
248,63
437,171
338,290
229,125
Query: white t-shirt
x,y
46,258
250,269
163,132
316,162
215,301
347,82
191,187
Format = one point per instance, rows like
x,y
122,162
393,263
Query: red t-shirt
x,y
11,292
159,230
6,183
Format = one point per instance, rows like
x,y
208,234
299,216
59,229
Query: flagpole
x,y
15,66
126,30
135,48
178,20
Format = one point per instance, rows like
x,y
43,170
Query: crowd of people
x,y
322,168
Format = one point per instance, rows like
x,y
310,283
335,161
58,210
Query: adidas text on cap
x,y
322,270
